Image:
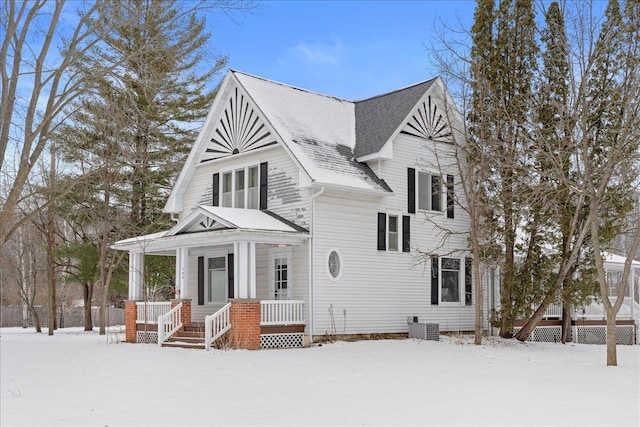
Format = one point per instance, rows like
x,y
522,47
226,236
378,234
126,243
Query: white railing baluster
x,y
287,312
152,311
169,323
215,325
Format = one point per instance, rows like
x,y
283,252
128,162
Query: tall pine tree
x,y
135,132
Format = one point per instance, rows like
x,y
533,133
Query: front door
x,y
280,282
217,280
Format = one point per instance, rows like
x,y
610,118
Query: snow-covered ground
x,y
81,378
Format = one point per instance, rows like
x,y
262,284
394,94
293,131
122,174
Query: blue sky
x,y
349,49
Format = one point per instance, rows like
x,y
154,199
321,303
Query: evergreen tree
x,y
503,64
132,136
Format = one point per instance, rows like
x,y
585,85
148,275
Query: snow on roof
x,y
319,131
617,260
247,219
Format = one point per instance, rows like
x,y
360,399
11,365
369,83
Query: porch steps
x,y
191,336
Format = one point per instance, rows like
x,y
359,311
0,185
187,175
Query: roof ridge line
x,y
311,92
397,90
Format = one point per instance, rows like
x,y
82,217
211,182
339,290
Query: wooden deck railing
x,y
169,323
148,312
286,312
215,325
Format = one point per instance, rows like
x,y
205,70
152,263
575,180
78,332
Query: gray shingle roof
x,y
378,117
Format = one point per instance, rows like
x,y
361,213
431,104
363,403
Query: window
x,y
334,265
393,234
227,190
253,196
241,188
447,281
392,238
450,268
429,192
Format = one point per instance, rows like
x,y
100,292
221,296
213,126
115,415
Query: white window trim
x,y
216,254
398,215
461,290
443,192
275,253
244,166
326,264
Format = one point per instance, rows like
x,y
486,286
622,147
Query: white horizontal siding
x,y
378,290
284,195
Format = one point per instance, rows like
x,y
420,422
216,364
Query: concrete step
x,y
182,344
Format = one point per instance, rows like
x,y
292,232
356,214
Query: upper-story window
x,y
429,192
241,188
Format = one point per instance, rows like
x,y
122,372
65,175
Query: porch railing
x,y
553,310
596,310
148,312
287,312
169,323
215,325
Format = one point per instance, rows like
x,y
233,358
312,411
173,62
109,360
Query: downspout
x,y
175,217
312,268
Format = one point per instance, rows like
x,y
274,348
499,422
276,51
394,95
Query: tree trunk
x,y
528,327
612,358
566,323
51,241
36,318
87,297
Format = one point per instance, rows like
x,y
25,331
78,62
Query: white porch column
x,y
182,269
136,275
245,269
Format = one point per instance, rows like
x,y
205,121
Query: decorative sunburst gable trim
x,y
239,129
428,123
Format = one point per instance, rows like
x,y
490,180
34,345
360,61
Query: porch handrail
x,y
215,325
596,310
153,309
169,323
285,312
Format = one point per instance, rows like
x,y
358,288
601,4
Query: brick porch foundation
x,y
244,316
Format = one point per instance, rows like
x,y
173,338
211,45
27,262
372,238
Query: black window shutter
x,y
436,185
434,280
382,231
230,278
468,300
411,190
200,280
450,195
264,184
216,190
406,233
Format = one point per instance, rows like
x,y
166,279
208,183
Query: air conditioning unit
x,y
425,331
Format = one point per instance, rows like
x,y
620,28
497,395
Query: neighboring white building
x,y
289,195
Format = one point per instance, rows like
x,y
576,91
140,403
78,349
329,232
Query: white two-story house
x,y
319,211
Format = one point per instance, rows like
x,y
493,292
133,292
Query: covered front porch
x,y
237,271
